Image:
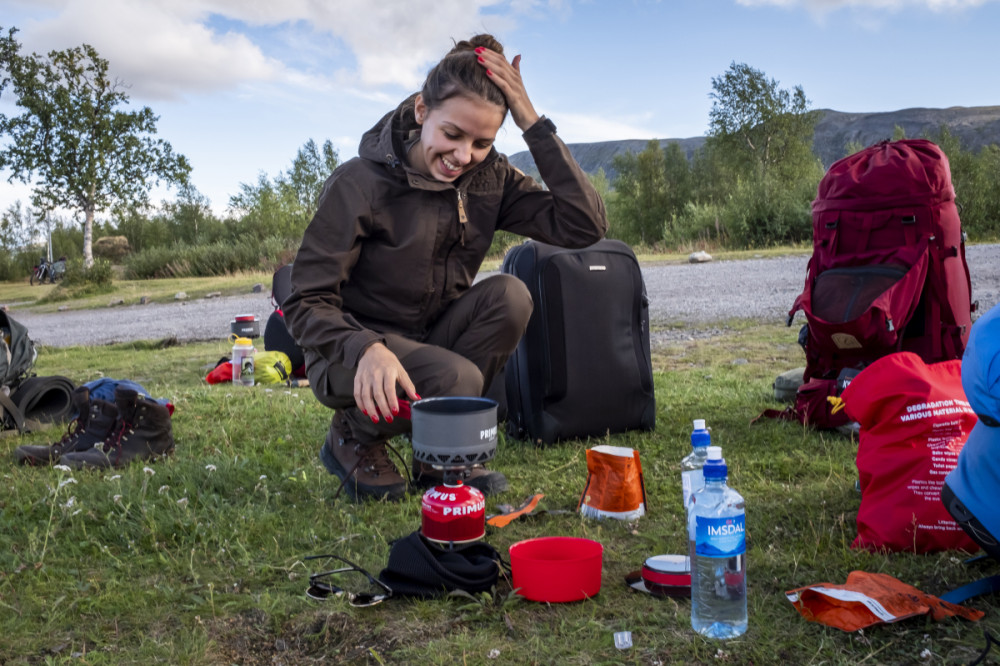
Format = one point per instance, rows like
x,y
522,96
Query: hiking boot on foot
x,y
142,431
364,468
486,481
94,421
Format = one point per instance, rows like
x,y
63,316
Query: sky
x,y
240,85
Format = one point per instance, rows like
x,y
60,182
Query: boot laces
x,y
113,442
374,459
73,430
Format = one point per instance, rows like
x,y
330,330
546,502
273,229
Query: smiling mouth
x,y
454,168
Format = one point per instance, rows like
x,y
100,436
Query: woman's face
x,y
455,136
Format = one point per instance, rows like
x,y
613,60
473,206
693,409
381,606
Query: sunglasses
x,y
322,586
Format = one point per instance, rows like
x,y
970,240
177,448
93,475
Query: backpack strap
x,y
11,416
976,588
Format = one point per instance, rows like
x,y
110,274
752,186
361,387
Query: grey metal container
x,y
454,432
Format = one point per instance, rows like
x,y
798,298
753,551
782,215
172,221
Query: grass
x,y
199,559
129,292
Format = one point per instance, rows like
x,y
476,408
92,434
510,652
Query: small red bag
x,y
914,421
221,373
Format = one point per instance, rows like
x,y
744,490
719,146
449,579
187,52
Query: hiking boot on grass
x,y
364,468
95,420
142,431
486,481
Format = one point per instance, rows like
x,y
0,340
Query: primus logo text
x,y
489,433
437,494
466,510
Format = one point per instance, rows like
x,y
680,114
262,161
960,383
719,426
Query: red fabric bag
x,y
221,373
914,421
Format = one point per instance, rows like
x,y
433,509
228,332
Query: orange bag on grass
x,y
914,421
868,599
615,487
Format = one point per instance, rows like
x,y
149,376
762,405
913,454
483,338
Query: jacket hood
x,y
385,141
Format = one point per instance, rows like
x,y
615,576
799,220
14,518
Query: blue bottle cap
x,y
700,435
715,466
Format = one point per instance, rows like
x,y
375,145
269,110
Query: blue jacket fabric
x,y
104,388
976,478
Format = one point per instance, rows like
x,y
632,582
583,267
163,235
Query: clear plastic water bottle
x,y
243,361
692,479
717,534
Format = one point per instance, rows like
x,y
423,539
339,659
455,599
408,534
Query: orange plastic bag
x,y
868,599
615,487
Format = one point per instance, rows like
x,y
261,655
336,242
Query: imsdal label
x,y
720,537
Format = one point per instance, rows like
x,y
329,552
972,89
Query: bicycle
x,y
47,272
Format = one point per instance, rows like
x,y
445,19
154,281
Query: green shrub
x,y
503,241
221,258
698,224
78,282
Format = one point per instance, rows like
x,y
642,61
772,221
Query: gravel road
x,y
698,296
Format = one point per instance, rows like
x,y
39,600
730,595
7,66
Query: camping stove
x,y
452,435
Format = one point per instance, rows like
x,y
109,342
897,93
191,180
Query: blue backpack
x,y
970,490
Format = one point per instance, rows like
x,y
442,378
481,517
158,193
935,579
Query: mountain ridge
x,y
974,126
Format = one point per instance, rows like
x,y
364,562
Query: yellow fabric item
x,y
272,367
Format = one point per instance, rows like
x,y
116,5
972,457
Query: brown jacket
x,y
389,248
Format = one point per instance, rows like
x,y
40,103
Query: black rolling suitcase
x,y
583,367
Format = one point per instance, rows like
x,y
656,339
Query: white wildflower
x,y
925,654
149,470
163,489
70,502
182,502
117,499
210,468
62,468
493,654
115,477
66,481
263,477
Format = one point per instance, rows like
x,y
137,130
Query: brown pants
x,y
460,356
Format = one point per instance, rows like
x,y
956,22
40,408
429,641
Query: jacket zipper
x,y
463,219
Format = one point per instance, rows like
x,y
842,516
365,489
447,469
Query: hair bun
x,y
487,41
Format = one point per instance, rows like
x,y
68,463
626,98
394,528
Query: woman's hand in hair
x,y
507,77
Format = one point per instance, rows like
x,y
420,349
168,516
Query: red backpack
x,y
887,273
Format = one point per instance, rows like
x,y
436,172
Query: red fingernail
x,y
418,397
388,419
374,419
395,410
480,49
480,59
489,72
365,412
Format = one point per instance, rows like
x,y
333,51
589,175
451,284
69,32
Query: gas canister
x,y
453,514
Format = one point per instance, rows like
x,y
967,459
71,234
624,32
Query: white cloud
x,y
160,51
165,49
583,128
